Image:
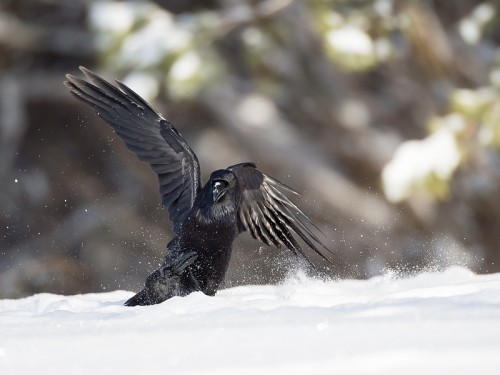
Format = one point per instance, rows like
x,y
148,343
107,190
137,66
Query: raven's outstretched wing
x,y
269,215
149,135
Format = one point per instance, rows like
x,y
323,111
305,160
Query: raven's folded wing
x,y
149,135
269,215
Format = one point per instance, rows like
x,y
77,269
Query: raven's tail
x,y
140,299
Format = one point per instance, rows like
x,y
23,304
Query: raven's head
x,y
219,199
224,187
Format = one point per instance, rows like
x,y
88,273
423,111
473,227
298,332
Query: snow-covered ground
x,y
432,323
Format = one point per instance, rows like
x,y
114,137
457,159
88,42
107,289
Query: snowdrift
x,y
432,323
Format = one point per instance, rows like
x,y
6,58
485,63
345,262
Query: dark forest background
x,y
384,114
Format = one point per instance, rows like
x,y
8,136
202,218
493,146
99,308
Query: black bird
x,y
205,219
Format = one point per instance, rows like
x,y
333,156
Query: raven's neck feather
x,y
217,214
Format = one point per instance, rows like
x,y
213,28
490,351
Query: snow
x,y
144,84
349,39
431,323
471,27
136,32
185,67
415,160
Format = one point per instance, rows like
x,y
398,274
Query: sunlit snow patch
x,y
433,323
415,161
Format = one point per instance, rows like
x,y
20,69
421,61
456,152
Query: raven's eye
x,y
219,184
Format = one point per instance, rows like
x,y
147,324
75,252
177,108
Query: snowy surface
x,y
432,323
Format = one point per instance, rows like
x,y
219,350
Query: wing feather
x,y
270,216
149,135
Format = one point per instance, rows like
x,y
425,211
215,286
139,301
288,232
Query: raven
x,y
206,219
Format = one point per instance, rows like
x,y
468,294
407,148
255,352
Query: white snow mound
x,y
433,323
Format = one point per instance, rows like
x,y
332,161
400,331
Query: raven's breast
x,y
213,244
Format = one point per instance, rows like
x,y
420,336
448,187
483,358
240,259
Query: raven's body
x,y
213,239
207,219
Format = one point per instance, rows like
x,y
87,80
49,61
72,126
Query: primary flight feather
x,y
206,219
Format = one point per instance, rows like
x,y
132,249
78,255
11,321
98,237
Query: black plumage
x,y
205,219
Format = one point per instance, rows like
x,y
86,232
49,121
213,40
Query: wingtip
x,y
84,70
74,83
87,72
70,80
67,83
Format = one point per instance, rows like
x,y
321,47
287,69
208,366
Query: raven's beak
x,y
218,191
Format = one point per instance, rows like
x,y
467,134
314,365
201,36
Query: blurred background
x,y
384,114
